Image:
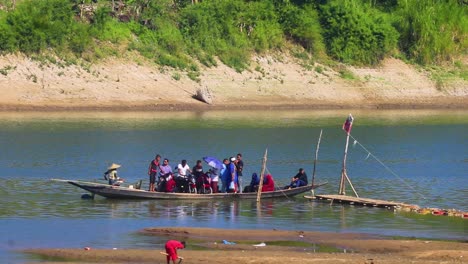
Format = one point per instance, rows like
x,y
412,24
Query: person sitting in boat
x,y
183,169
111,175
299,180
170,185
165,175
253,187
183,177
268,184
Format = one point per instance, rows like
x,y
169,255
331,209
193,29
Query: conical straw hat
x,y
114,166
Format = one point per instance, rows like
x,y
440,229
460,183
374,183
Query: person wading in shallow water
x,y
171,250
153,171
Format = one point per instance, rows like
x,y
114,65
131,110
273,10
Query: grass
x,y
5,70
194,76
444,75
176,76
319,69
347,75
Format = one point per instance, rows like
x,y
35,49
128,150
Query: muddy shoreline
x,y
205,245
442,104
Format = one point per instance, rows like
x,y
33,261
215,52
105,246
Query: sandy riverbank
x,y
205,246
272,82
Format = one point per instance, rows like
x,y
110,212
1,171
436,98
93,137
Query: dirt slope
x,y
271,81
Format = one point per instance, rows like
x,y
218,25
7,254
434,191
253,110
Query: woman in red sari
x,y
268,184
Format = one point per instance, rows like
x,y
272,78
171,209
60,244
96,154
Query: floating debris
x,y
433,211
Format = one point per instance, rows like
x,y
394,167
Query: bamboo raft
x,y
396,206
344,199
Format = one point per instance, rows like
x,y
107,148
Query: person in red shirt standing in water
x,y
171,250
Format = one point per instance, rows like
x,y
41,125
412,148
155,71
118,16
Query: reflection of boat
x,y
119,192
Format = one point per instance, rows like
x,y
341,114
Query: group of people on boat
x,y
226,178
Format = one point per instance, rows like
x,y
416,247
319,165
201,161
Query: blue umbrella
x,y
213,162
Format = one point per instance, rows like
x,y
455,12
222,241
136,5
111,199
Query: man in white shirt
x,y
183,168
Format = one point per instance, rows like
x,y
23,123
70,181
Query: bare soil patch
x,y
278,81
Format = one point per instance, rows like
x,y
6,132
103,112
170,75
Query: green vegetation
x,y
433,31
356,33
179,33
5,70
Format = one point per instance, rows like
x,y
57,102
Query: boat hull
x,y
117,192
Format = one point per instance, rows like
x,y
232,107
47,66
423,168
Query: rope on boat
x,y
386,167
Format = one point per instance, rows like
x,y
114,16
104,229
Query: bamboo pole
x,y
350,184
262,174
315,161
343,170
316,157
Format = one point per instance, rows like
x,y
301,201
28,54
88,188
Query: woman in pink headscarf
x,y
268,184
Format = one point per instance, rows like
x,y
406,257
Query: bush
x,y
231,30
80,40
356,33
432,31
36,25
7,38
302,25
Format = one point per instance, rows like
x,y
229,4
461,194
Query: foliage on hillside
x,y
179,32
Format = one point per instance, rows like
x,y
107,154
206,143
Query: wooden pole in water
x,y
347,127
316,157
343,170
262,174
350,184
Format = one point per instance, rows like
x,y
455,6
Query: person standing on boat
x,y
153,171
165,174
214,175
171,250
233,183
111,175
224,173
198,174
239,168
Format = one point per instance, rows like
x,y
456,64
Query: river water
x,y
425,154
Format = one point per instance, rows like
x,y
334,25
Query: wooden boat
x,y
120,192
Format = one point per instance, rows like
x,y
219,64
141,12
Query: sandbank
x,y
205,246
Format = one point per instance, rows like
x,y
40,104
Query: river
x,y
425,154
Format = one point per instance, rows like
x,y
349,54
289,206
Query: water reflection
x,y
228,119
